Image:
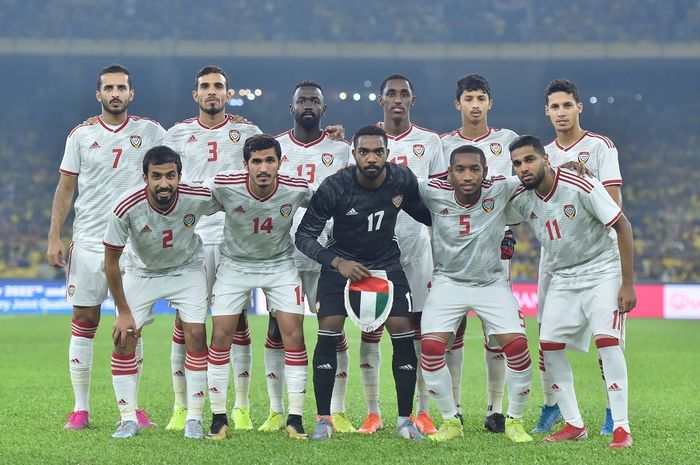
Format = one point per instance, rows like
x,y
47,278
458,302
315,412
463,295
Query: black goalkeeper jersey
x,y
363,219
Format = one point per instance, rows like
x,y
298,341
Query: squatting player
x,y
591,286
104,160
165,261
364,202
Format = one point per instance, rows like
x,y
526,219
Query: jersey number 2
x,y
167,238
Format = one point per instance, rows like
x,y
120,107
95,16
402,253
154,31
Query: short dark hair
x,y
527,140
561,85
370,131
260,142
114,68
210,69
394,76
471,83
160,155
308,84
468,149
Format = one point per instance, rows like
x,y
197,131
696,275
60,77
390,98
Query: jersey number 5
x,y
466,225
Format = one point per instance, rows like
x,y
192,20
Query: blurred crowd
x,y
410,21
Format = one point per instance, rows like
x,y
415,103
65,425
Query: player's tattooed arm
x,y
626,298
61,204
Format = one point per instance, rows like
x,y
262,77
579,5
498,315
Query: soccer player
x,y
364,202
307,152
165,261
103,160
469,214
257,252
420,150
473,101
209,143
598,154
591,286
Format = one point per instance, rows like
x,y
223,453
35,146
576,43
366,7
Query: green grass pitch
x,y
35,395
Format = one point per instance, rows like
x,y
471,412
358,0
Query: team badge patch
x,y
396,200
570,211
583,157
368,302
419,150
327,159
487,205
286,209
135,141
71,290
496,148
188,220
234,135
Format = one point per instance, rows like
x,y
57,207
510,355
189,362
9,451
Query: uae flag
x,y
368,301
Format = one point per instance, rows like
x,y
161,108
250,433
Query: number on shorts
x,y
299,294
167,238
618,319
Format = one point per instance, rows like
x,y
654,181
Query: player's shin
x,y
196,379
325,366
139,361
518,376
124,380
562,378
455,360
421,387
615,369
274,371
495,363
341,376
370,362
177,366
218,377
80,358
546,382
437,375
403,364
241,362
295,363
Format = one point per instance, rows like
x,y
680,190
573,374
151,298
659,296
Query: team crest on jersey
x,y
487,205
327,159
135,141
570,211
188,220
419,150
583,157
496,148
286,209
71,290
234,135
396,200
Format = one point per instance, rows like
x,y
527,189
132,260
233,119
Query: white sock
x,y
196,379
124,380
455,361
139,362
80,362
177,367
274,373
217,379
370,361
242,363
421,388
562,378
615,369
437,375
518,376
546,382
605,384
495,362
295,371
340,385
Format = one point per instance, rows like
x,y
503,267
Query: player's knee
x,y
415,324
606,341
433,346
404,351
374,337
515,346
548,346
327,342
88,315
195,336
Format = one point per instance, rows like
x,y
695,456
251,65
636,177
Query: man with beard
x,y
307,152
364,202
591,284
210,143
104,160
165,261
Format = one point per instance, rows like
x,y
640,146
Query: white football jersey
x,y
314,162
420,150
107,163
571,223
597,152
494,144
162,243
206,151
467,238
256,231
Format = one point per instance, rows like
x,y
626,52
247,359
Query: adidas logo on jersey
x,y
533,216
351,212
192,139
284,158
146,229
239,209
95,145
444,211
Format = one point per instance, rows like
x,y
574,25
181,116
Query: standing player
x,y
420,150
307,152
104,160
473,101
364,203
257,252
165,261
598,154
591,285
210,143
469,214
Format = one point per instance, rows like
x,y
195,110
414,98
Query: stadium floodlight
x,y
372,97
611,99
356,97
257,92
638,97
242,92
593,99
342,96
250,96
368,83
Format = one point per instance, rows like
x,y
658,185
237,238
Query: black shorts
x,y
331,294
